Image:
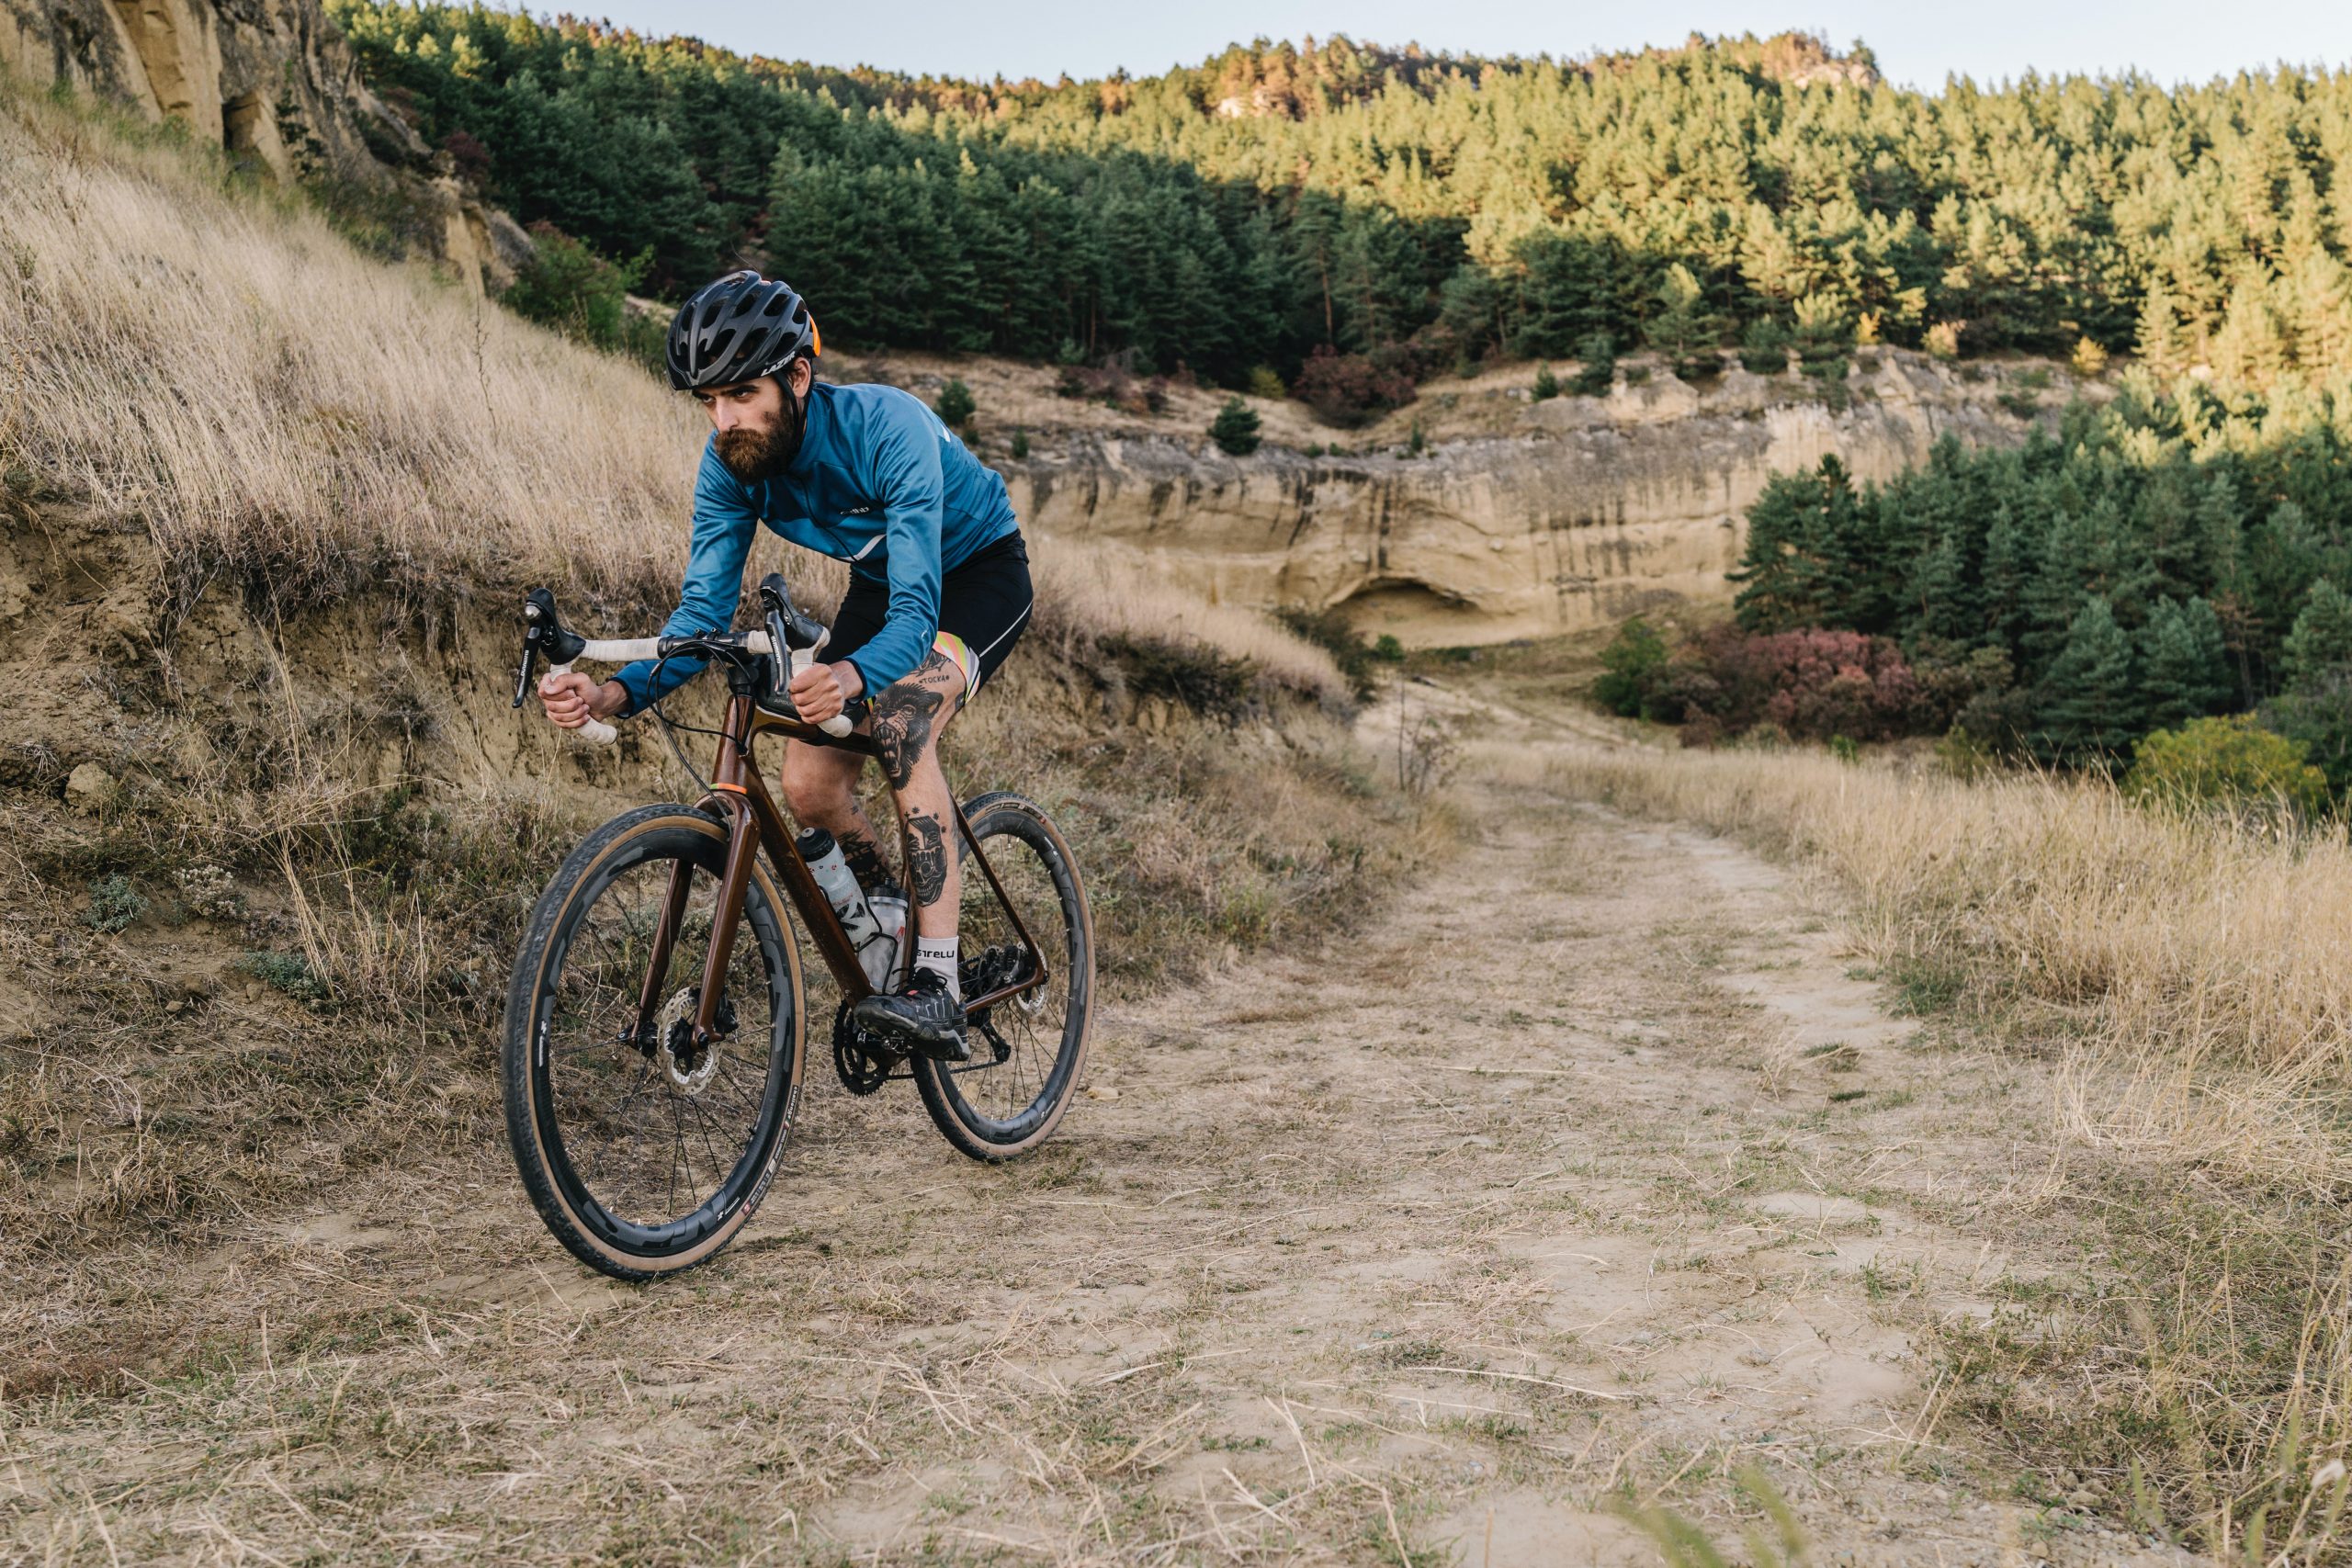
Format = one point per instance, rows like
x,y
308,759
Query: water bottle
x,y
887,960
876,947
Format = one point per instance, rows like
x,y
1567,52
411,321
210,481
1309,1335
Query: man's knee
x,y
907,717
815,787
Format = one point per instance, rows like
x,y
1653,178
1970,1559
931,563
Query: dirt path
x,y
1584,1178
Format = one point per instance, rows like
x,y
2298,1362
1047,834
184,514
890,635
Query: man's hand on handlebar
x,y
823,690
571,700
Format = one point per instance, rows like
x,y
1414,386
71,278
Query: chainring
x,y
860,1058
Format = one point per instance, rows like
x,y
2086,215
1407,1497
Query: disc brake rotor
x,y
689,1067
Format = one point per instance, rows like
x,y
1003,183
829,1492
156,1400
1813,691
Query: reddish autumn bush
x,y
1346,390
1812,684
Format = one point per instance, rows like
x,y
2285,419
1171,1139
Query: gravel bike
x,y
652,1052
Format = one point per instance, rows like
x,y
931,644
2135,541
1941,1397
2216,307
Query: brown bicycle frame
x,y
736,785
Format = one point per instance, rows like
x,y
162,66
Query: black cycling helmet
x,y
739,329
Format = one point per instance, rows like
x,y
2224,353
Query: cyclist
x,y
939,593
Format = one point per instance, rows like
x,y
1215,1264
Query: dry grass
x,y
1103,591
2196,967
210,362
2189,975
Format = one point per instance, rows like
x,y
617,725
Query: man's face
x,y
757,432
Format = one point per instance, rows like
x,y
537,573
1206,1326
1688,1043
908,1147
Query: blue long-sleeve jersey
x,y
878,482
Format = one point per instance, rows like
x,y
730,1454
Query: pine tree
x,y
1684,329
2090,709
1599,371
2320,644
1235,429
2184,669
1796,570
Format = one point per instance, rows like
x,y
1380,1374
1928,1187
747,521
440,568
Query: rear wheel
x,y
1028,1049
646,1152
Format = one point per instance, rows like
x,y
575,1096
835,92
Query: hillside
x,y
1422,211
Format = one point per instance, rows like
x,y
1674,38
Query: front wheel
x,y
1026,1049
644,1149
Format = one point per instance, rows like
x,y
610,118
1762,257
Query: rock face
x,y
1553,517
273,84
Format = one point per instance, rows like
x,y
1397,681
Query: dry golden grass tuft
x,y
211,362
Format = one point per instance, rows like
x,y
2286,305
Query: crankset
x,y
860,1057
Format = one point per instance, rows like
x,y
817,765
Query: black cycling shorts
x,y
984,605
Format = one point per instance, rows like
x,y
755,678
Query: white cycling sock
x,y
937,954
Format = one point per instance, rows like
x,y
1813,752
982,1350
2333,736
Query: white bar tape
x,y
596,732
801,659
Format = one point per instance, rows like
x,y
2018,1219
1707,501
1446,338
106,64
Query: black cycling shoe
x,y
921,1018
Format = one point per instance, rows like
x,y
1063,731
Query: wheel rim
x,y
654,1151
1005,1101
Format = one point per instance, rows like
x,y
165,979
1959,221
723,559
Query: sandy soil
x,y
1586,1177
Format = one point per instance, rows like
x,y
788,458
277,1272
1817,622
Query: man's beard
x,y
755,454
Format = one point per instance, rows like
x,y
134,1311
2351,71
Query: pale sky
x,y
1916,44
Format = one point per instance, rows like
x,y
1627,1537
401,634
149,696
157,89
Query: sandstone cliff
x,y
1517,518
271,83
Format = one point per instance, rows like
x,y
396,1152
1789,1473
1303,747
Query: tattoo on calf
x,y
864,857
927,860
903,719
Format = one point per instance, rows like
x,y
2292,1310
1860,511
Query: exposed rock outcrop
x,y
273,84
1522,519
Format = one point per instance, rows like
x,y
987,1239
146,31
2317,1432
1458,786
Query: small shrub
x,y
1809,685
1845,749
1637,375
290,973
1265,383
1328,630
1387,649
955,405
1418,444
1942,341
567,286
2088,358
1598,370
1547,386
1632,672
1235,429
1019,445
1764,349
210,892
1346,390
1206,680
2232,763
114,904
1964,756
2317,715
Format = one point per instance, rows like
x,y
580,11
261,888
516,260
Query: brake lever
x,y
538,622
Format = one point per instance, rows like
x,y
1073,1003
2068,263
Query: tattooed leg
x,y
907,719
820,786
